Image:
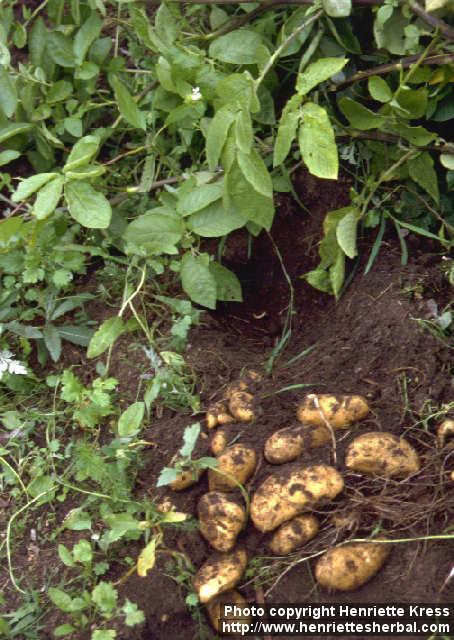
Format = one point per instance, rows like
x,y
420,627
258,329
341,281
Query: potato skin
x,y
382,454
220,573
214,608
238,462
186,479
348,567
281,498
339,411
289,443
219,442
217,414
241,406
294,534
445,431
221,518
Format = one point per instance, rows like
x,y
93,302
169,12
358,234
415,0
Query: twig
x,y
314,397
445,29
382,69
381,136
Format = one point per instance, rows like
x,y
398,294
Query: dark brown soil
x,y
370,342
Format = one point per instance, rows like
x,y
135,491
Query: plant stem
x,y
442,27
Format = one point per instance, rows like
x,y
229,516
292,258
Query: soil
x,y
372,341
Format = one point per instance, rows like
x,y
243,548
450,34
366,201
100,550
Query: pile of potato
x,y
283,503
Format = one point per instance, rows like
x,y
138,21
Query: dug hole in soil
x,y
370,343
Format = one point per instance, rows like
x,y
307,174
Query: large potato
x,y
338,411
215,608
289,443
241,406
349,567
281,498
186,479
294,534
382,454
221,519
235,465
221,572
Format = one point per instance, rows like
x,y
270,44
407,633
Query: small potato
x,y
338,411
241,406
221,519
289,443
445,431
382,454
220,573
281,498
219,442
235,465
215,609
217,414
186,479
348,567
294,534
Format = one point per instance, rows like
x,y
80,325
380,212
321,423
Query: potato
x,y
186,479
281,498
241,406
293,534
235,465
215,608
217,414
348,567
338,411
445,431
382,454
221,519
289,443
219,442
220,573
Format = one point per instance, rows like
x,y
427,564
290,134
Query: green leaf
x,y
337,8
88,207
105,597
37,42
8,156
190,436
48,198
197,280
214,221
52,340
60,90
77,520
105,336
86,35
11,130
65,556
155,231
8,93
246,201
359,116
82,153
28,186
287,130
217,132
244,135
198,198
228,285
337,274
346,233
389,29
133,615
63,630
130,420
255,172
82,551
317,142
75,334
242,46
318,72
60,599
10,229
421,170
127,105
167,476
104,634
60,50
416,135
379,89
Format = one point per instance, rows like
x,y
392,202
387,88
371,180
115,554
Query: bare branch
x,y
444,29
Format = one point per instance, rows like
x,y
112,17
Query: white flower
x,y
8,364
196,95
